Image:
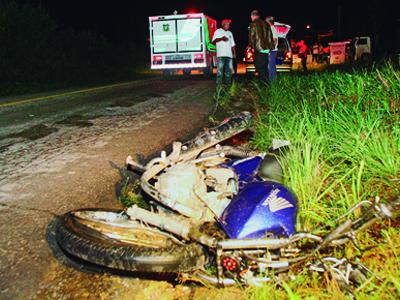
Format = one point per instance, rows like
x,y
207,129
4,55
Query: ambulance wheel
x,y
168,73
208,71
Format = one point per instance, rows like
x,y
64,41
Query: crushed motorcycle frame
x,y
238,192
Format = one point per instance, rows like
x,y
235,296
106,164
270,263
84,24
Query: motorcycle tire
x,y
92,244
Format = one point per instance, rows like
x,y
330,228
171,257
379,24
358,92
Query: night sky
x,y
128,20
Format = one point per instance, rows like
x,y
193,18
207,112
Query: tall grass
x,y
344,130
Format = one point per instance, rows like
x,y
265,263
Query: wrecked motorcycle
x,y
217,213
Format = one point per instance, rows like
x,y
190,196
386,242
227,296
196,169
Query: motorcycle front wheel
x,y
111,239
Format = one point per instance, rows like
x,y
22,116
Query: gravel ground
x,y
46,173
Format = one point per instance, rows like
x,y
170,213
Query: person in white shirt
x,y
272,75
226,51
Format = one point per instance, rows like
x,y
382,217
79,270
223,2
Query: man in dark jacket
x,y
261,40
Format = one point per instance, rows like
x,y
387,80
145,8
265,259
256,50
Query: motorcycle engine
x,y
199,186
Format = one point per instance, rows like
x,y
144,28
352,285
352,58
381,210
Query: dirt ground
x,y
73,166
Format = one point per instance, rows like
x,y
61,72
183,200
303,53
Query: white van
x,y
182,42
360,48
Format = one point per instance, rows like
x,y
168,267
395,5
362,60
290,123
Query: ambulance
x,y
182,42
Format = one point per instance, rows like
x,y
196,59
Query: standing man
x,y
272,55
315,53
303,52
261,40
226,51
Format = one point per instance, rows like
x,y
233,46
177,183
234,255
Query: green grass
x,y
345,135
224,95
344,130
129,195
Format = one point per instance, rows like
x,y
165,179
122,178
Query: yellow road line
x,y
24,101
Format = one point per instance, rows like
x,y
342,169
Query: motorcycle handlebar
x,y
349,228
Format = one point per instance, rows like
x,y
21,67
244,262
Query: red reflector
x,y
157,57
229,264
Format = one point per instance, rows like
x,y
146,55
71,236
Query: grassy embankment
x,y
344,130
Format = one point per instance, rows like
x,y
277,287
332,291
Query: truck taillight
x,y
288,55
199,58
157,59
249,55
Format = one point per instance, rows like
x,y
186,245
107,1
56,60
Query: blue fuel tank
x,y
260,208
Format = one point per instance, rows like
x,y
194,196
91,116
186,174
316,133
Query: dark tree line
x,y
34,50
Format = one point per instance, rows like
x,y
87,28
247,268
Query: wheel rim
x,y
118,227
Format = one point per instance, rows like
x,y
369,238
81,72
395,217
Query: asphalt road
x,y
58,152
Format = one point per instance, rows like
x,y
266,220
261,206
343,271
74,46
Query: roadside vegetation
x,y
344,129
36,55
